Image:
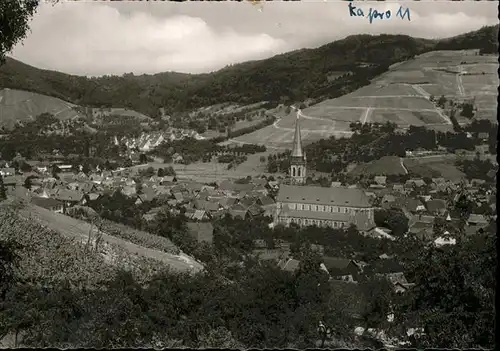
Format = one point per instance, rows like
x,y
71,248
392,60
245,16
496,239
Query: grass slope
x,y
388,165
18,105
79,230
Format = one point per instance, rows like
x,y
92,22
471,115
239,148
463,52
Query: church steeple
x,y
298,157
297,140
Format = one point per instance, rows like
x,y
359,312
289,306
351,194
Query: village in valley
x,y
357,187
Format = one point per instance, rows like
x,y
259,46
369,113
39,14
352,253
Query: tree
x,y
143,159
14,19
160,173
138,188
442,101
467,110
454,294
3,194
8,258
27,182
219,338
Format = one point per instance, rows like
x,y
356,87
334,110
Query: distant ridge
x,y
289,77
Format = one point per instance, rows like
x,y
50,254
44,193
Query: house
x,y
200,215
176,158
477,182
147,195
380,180
247,201
388,201
436,206
320,249
410,204
49,204
483,136
336,184
341,268
255,210
168,180
69,197
226,202
93,196
10,182
445,239
259,182
439,180
398,188
477,220
4,172
238,211
179,196
194,188
414,183
201,231
381,233
151,214
208,206
273,184
65,168
423,231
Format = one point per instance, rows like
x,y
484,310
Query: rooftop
x,y
337,196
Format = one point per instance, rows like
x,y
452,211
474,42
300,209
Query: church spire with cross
x,y
298,156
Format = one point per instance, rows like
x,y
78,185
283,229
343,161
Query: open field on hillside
x,y
480,84
405,118
448,88
389,165
479,68
406,76
487,114
276,136
400,96
19,105
206,172
438,166
129,113
306,124
325,110
391,102
384,90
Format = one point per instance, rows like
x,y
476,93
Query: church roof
x,y
340,196
297,140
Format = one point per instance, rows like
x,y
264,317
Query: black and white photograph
x,y
248,174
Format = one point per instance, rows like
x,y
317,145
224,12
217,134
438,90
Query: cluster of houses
x,y
199,202
422,202
148,141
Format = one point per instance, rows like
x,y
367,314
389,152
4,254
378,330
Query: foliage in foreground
x,y
260,305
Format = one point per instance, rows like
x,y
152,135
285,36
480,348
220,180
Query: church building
x,y
313,205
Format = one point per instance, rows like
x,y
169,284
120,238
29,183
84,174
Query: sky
x,y
104,38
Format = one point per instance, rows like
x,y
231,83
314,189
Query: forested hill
x,y
325,72
485,39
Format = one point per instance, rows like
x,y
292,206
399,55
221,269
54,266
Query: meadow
x,y
399,96
19,105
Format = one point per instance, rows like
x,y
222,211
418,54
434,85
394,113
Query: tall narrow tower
x,y
298,157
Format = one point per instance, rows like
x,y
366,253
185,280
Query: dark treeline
x,y
373,141
241,303
285,78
